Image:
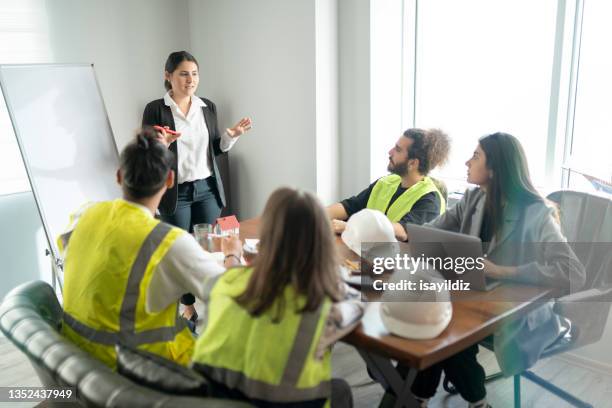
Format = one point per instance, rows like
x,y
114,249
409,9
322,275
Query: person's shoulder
x,y
473,191
155,103
473,194
236,277
429,198
154,107
390,178
208,102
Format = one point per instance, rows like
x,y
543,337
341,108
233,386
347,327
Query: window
x,y
484,66
591,146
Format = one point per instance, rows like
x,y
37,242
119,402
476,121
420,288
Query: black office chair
x,y
586,221
31,316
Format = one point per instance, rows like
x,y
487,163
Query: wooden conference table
x,y
476,315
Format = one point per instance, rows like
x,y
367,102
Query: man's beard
x,y
400,169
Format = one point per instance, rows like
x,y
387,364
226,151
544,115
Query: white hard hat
x,y
367,226
416,314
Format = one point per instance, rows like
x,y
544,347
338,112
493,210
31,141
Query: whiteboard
x,y
65,139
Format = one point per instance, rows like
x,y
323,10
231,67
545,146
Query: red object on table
x,y
228,224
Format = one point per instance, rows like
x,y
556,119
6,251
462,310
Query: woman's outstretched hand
x,y
240,128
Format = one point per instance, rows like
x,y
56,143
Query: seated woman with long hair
x,y
270,326
523,242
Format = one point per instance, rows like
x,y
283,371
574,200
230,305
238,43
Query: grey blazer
x,y
531,240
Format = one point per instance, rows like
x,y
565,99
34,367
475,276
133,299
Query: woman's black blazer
x,y
158,113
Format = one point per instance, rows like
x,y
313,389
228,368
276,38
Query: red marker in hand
x,y
166,129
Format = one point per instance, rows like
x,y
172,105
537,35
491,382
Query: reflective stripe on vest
x,y
287,390
385,188
127,334
111,257
292,374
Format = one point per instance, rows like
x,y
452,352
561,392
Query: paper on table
x,y
348,277
350,311
250,245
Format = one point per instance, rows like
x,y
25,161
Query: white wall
x,y
386,73
326,34
127,41
354,95
257,58
598,354
22,242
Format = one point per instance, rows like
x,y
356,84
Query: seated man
x,y
407,195
124,270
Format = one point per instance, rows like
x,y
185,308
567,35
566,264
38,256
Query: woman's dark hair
x,y
510,181
429,146
173,61
297,248
145,164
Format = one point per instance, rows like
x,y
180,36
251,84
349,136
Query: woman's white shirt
x,y
193,144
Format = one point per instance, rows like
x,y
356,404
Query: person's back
x,y
264,358
270,326
113,251
124,270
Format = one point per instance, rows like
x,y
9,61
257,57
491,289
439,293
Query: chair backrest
x,y
30,317
441,186
586,221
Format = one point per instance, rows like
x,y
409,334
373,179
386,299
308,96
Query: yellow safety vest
x,y
110,258
264,359
385,187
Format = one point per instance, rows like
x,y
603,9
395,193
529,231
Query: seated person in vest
x,y
124,270
270,326
407,195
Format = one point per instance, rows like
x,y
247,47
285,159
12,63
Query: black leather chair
x,y
31,316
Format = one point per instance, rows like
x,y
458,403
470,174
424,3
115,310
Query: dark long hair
x,y
296,248
145,164
510,182
173,61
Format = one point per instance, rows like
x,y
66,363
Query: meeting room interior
x,y
305,203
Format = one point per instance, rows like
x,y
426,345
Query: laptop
x,y
437,243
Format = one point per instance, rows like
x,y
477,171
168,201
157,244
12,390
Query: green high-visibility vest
x,y
385,187
263,357
110,258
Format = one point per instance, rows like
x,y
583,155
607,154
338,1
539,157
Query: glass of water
x,y
204,234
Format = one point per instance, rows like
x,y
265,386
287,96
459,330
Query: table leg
x,y
387,375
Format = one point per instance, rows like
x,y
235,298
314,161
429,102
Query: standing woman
x,y
198,195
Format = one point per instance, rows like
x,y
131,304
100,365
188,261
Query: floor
x,y
594,387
